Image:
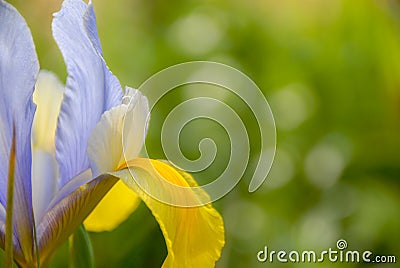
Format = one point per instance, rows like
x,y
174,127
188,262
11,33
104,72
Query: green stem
x,y
10,203
36,247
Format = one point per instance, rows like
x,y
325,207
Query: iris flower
x,y
64,150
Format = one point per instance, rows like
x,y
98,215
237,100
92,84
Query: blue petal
x,y
18,70
113,87
91,89
91,28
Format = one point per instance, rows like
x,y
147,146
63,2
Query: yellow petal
x,y
193,232
194,235
113,209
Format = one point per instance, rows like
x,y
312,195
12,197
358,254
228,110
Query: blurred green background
x,y
330,70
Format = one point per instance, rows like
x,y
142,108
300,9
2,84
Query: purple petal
x,y
91,89
18,70
62,219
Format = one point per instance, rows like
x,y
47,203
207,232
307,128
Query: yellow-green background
x,y
331,72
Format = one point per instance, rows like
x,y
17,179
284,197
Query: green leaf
x,y
80,249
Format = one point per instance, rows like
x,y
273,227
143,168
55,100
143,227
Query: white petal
x,y
48,96
120,130
44,181
135,124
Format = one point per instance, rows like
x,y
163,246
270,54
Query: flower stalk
x,y
10,199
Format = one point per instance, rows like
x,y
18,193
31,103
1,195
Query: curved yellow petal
x,y
193,232
194,235
113,209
